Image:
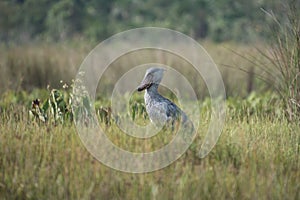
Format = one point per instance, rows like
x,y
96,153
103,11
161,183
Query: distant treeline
x,y
55,20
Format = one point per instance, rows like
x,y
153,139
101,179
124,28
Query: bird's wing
x,y
172,110
158,113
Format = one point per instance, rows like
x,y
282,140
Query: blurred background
x,y
44,41
23,21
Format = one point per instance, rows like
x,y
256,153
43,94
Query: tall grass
x,y
280,66
285,56
39,65
255,158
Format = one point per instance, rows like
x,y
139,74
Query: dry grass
x,y
254,158
36,66
29,67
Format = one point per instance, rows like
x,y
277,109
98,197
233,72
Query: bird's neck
x,y
153,89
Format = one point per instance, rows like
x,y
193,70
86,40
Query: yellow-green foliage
x,y
256,157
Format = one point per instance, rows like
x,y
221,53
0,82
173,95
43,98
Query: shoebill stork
x,y
160,109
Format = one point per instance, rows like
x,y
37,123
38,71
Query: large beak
x,y
146,83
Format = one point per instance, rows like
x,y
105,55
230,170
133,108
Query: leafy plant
x,y
261,106
56,107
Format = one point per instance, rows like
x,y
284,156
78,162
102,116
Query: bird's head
x,y
153,76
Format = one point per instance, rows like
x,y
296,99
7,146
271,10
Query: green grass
x,y
256,157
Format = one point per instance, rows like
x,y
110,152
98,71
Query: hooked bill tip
x,y
143,87
139,89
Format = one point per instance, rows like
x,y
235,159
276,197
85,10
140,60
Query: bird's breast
x,y
156,109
